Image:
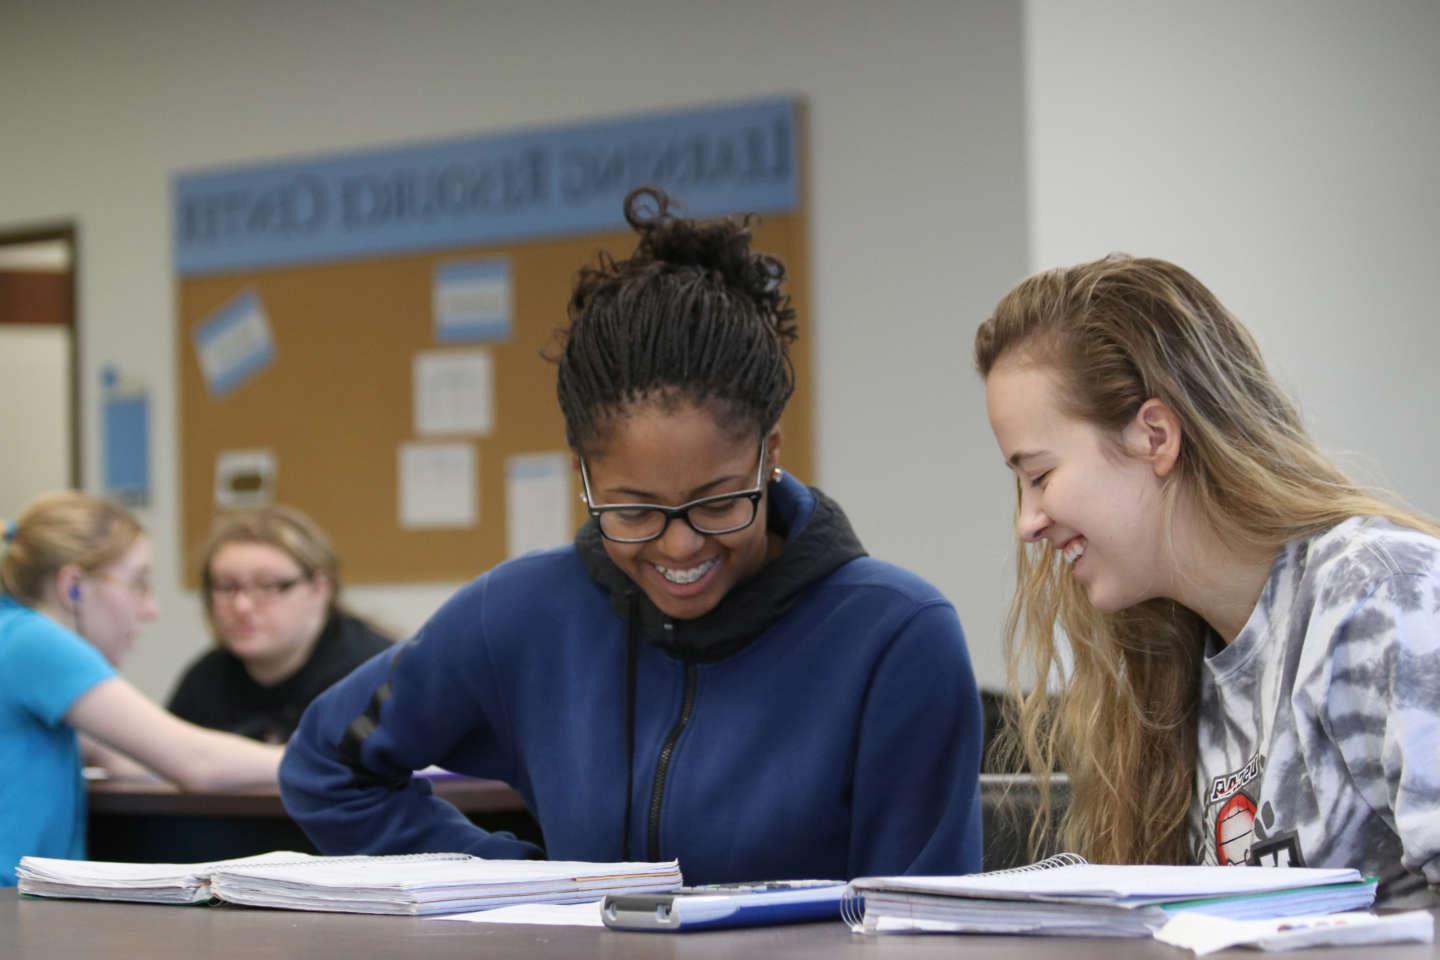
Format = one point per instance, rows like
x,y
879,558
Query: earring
x,y
776,474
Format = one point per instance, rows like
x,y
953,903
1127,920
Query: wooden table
x,y
78,930
151,821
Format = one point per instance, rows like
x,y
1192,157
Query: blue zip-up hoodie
x,y
821,721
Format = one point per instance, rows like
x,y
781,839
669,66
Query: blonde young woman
x,y
75,573
1255,639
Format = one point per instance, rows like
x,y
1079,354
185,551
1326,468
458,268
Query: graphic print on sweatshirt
x,y
1239,833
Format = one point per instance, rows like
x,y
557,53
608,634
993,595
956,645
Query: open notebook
x,y
1066,895
414,885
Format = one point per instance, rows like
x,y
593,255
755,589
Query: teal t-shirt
x,y
44,668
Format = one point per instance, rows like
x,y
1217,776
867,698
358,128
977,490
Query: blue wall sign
x,y
484,190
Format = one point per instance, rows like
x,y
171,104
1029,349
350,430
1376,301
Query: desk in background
x,y
150,821
1008,804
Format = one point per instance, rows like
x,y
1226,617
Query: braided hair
x,y
692,317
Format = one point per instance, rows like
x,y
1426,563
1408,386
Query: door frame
x,y
68,233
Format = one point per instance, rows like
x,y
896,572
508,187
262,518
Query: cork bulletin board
x,y
306,291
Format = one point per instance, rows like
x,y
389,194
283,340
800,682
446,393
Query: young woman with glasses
x,y
74,591
270,582
714,671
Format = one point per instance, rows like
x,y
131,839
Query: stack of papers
x,y
1098,900
134,882
415,885
418,889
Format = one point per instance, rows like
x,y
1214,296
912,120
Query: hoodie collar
x,y
818,540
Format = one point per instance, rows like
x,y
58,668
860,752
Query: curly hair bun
x,y
720,248
693,312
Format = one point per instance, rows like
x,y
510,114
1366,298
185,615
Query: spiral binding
x,y
1049,863
852,910
852,902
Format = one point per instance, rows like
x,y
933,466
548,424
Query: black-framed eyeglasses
x,y
261,591
708,516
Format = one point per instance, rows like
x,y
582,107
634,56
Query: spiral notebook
x,y
413,885
1066,895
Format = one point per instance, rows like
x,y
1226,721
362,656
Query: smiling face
x,y
1098,505
114,601
668,457
265,610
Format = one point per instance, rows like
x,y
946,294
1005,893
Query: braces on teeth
x,y
685,576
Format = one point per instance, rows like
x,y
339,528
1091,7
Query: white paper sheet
x,y
234,343
438,485
244,479
472,300
1203,934
454,392
537,502
543,914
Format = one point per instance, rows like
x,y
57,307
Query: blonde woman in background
x,y
75,573
270,581
1255,638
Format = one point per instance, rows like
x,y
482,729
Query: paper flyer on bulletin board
x,y
234,343
438,485
454,392
125,439
537,502
472,300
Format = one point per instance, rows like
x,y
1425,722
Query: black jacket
x,y
217,692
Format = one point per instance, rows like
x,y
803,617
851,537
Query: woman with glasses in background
x,y
74,591
714,671
270,582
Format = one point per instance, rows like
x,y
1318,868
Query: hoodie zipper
x,y
662,765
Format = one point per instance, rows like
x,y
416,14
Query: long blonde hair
x,y
1117,332
59,529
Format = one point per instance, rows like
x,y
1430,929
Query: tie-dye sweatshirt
x,y
1319,728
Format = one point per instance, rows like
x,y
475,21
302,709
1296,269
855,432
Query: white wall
x,y
1286,153
917,196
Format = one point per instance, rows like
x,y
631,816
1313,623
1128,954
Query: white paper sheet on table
x,y
1202,934
541,914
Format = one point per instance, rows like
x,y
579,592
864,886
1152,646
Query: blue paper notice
x,y
234,343
125,444
472,301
